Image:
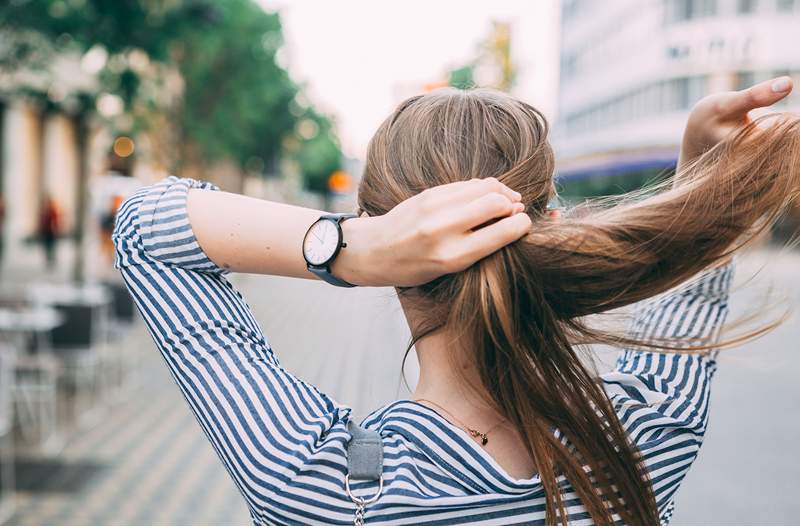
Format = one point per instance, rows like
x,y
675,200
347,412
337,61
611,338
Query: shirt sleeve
x,y
662,398
265,424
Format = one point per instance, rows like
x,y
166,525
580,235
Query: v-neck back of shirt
x,y
448,446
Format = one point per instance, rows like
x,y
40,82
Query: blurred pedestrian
x,y
107,226
49,229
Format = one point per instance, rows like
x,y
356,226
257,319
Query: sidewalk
x,y
144,463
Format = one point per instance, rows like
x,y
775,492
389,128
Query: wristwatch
x,y
321,245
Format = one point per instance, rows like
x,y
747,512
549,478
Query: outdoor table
x,y
30,327
123,308
80,342
85,309
27,331
7,360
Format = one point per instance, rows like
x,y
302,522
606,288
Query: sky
x,y
360,58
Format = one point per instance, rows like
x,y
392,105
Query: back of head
x,y
452,135
517,314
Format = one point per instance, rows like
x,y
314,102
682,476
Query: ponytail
x,y
619,255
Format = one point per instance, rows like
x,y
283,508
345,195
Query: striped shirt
x,y
283,441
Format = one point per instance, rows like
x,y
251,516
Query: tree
x,y
36,32
316,149
236,101
462,78
237,98
492,66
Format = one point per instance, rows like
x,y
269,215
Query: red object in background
x,y
50,221
49,227
340,182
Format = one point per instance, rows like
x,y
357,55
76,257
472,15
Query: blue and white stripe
x,y
283,441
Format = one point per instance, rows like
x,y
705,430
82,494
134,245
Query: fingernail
x,y
519,207
781,85
517,195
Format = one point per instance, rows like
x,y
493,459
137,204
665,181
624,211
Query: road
x,y
147,463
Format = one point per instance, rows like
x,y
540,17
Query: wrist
x,y
692,147
352,264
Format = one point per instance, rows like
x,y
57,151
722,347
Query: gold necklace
x,y
472,431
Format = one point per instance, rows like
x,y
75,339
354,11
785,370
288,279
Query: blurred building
x,y
40,155
632,69
38,159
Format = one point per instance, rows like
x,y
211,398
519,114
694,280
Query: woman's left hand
x,y
719,114
439,231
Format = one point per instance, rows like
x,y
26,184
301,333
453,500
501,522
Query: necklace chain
x,y
472,431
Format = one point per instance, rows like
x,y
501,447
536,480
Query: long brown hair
x,y
518,314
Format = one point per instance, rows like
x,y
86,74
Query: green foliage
x,y
117,25
462,78
37,30
236,99
319,156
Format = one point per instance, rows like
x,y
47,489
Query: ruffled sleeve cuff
x,y
164,227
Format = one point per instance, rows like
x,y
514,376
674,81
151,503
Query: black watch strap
x,y
324,271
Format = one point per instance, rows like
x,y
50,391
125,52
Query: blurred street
x,y
146,461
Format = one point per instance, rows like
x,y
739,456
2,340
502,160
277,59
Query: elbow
x,y
125,235
127,218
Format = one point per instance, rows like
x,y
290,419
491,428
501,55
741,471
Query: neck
x,y
448,379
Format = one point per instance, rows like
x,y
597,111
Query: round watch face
x,y
321,242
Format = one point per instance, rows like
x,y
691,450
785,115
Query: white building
x,y
632,69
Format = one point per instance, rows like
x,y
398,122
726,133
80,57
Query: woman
x,y
507,425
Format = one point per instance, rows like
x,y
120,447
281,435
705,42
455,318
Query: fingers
x,y
761,95
495,236
489,185
465,191
484,209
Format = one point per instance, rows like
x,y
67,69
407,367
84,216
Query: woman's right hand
x,y
439,231
717,115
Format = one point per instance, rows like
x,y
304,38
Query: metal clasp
x,y
361,503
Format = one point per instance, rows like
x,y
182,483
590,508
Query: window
x,y
677,94
704,8
698,88
571,8
744,79
785,6
746,6
568,65
684,10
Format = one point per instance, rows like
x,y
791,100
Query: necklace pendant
x,y
477,434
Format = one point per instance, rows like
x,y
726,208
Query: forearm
x,y
244,234
689,152
437,231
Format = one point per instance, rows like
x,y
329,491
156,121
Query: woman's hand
x,y
719,114
441,230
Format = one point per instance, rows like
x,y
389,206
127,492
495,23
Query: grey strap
x,y
364,453
364,462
